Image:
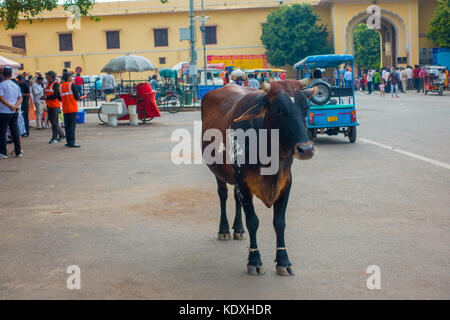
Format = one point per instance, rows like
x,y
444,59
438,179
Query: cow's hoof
x,y
285,271
255,270
239,236
224,236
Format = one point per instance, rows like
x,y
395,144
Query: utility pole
x,y
204,40
193,62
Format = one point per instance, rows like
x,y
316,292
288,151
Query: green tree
x,y
440,25
12,10
366,44
292,33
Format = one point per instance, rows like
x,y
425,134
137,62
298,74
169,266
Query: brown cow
x,y
235,107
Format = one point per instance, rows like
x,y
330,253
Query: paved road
x,y
140,227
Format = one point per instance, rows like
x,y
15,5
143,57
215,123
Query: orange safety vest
x,y
48,92
69,103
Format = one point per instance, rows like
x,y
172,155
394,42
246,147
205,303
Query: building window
x,y
112,40
65,42
66,64
211,35
161,37
162,60
21,66
18,42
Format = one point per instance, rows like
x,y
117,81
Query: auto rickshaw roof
x,y
324,60
168,73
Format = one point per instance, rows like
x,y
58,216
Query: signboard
x,y
402,60
185,34
258,61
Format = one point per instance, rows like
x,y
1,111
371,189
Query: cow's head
x,y
288,116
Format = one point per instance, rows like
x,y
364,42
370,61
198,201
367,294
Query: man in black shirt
x,y
25,107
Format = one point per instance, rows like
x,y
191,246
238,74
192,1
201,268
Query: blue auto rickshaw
x,y
332,110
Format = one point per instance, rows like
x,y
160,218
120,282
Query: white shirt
x,y
253,83
11,93
38,91
409,73
348,75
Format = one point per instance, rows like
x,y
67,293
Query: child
x,y
382,93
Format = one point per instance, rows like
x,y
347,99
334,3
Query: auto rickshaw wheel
x,y
352,134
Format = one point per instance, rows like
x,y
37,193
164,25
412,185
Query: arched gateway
x,y
393,34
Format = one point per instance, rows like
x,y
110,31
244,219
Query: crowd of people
x,y
253,80
391,79
55,101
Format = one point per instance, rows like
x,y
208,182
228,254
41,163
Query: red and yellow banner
x,y
257,61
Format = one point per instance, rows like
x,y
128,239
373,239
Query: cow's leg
x,y
239,232
224,228
254,266
284,266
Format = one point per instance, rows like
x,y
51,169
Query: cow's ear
x,y
301,102
255,112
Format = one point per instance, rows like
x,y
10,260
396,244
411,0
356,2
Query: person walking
x,y
79,83
387,82
416,78
369,81
423,74
394,80
108,84
404,77
25,107
10,102
52,100
348,77
382,92
154,83
409,73
376,80
37,91
399,78
69,99
252,82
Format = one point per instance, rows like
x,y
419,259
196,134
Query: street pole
x,y
204,41
193,62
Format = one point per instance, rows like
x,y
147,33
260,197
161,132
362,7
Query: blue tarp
x,y
202,90
441,57
323,61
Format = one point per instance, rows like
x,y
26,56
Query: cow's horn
x,y
306,82
265,86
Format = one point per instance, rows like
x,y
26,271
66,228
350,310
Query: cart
x,y
143,99
170,94
338,114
